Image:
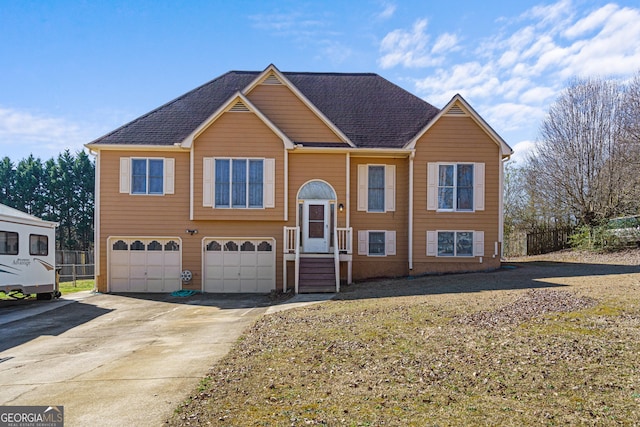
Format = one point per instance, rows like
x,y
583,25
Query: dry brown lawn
x,y
550,340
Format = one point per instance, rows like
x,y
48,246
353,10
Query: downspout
x,y
96,223
411,157
348,195
286,185
501,208
191,183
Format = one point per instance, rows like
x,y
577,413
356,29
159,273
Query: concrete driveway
x,y
115,360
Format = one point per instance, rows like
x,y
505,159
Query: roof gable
x,y
237,103
273,77
459,107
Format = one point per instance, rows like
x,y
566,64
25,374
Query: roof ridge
x,y
331,73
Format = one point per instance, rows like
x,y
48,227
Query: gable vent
x,y
239,107
456,111
271,79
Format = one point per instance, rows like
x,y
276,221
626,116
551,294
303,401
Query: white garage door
x,y
239,265
144,265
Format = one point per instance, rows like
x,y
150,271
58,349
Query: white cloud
x,y
389,10
511,116
522,150
471,80
445,42
25,133
408,48
538,95
613,51
590,22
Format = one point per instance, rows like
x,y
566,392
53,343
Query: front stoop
x,y
317,275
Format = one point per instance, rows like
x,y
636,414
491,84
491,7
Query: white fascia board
x,y
188,141
133,147
505,150
272,68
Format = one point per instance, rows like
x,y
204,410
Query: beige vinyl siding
x,y
392,265
241,135
144,215
290,114
456,140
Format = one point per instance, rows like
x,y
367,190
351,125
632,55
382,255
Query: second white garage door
x,y
239,265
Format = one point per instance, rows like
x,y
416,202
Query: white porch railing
x,y
292,246
291,240
344,240
342,244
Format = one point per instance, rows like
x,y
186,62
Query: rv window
x,y
8,243
38,244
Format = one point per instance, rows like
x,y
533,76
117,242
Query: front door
x,y
315,226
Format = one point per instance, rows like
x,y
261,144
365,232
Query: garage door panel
x,y
155,271
170,273
155,285
242,265
137,284
155,258
248,285
265,285
139,264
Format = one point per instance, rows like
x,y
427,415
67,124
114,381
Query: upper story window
x,y
147,176
455,187
376,188
8,243
375,202
239,183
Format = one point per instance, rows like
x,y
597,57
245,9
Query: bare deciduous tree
x,y
581,164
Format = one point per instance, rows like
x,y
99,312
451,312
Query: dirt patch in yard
x,y
548,340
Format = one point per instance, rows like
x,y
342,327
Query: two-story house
x,y
260,181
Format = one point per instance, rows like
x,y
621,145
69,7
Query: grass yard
x,y
550,342
65,288
80,285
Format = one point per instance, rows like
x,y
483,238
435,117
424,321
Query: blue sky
x,y
71,71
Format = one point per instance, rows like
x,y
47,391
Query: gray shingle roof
x,y
368,109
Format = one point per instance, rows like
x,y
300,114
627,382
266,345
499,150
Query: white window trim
x,y
168,175
389,188
389,243
478,244
268,182
433,181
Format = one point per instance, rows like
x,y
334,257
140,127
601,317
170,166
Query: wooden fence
x,y
75,264
545,241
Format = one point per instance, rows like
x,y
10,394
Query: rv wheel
x,y
44,297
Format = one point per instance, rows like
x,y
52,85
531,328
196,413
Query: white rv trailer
x,y
27,254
